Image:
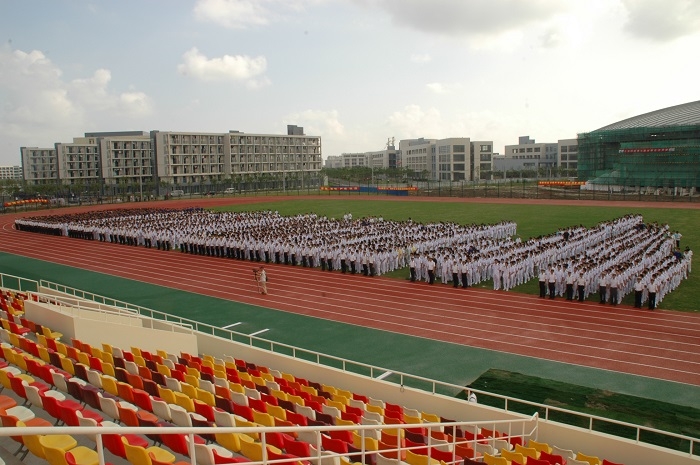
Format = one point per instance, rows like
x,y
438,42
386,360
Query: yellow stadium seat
x,y
588,458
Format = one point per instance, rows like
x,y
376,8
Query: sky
x,y
355,72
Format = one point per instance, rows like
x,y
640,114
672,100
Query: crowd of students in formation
x,y
613,258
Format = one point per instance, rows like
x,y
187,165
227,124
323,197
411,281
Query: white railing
x,y
18,283
527,428
637,433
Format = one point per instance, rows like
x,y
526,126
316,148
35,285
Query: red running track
x,y
661,344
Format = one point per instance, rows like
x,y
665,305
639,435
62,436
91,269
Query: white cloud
x,y
436,87
318,122
39,107
413,121
421,58
226,68
662,20
467,17
443,87
235,14
241,14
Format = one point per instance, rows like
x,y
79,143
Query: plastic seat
x,y
180,417
80,455
493,460
565,453
514,457
114,444
539,446
254,450
140,455
531,461
419,459
530,452
231,441
552,458
588,458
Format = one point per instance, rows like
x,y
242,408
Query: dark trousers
x,y
552,290
652,300
431,276
455,279
603,291
581,293
465,284
638,299
413,274
323,264
543,289
613,295
343,266
569,292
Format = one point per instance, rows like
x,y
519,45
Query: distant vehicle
x,y
177,193
230,190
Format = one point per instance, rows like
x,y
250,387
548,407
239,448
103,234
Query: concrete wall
x,y
97,327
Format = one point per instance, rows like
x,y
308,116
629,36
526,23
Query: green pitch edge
x,y
441,361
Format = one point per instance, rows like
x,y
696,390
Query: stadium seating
x,y
271,398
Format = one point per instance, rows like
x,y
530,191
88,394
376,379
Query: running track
x,y
662,344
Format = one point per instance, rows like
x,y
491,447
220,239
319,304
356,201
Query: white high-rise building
x,y
11,172
79,161
453,159
175,158
39,165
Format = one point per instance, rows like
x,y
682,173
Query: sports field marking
x,y
259,332
231,325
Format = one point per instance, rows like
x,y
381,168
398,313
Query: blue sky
x,y
354,72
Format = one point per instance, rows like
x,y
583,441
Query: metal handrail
x,y
99,431
375,371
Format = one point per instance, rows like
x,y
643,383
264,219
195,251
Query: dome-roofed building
x,y
659,149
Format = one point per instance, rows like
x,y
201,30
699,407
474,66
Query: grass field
x,y
532,220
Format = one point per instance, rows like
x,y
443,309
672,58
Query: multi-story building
x,y
334,161
418,155
351,160
125,157
79,161
567,154
482,159
39,165
185,158
176,158
527,155
451,159
11,172
390,157
292,155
